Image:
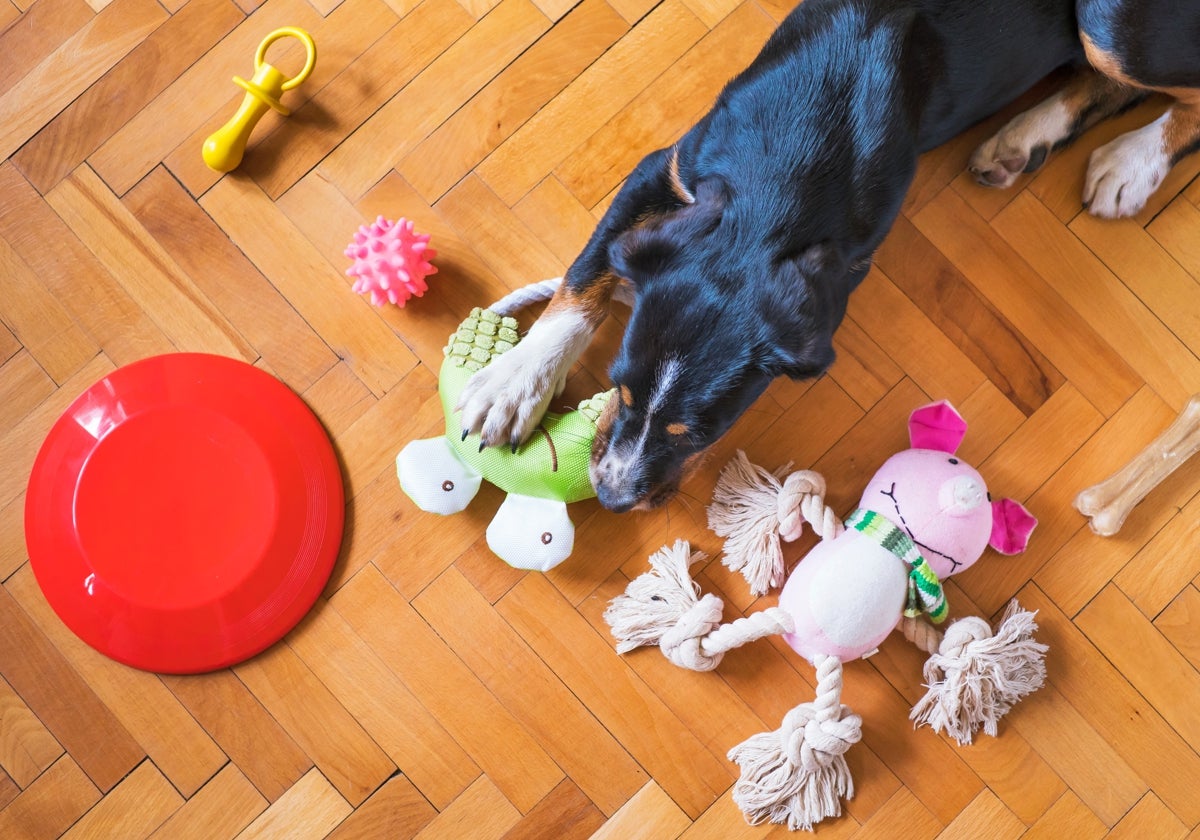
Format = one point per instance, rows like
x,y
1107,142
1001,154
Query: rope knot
x,y
961,634
681,644
811,742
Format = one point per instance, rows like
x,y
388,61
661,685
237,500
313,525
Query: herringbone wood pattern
x,y
434,692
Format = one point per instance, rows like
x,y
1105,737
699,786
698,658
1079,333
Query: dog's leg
x,y
1123,174
504,401
1023,144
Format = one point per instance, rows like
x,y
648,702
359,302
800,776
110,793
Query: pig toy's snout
x,y
962,494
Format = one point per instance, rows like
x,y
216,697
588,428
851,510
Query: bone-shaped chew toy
x,y
1108,503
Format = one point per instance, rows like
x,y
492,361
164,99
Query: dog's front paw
x,y
1021,146
504,402
1123,174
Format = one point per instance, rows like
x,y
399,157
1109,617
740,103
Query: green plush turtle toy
x,y
531,530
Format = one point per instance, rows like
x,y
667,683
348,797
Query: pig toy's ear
x,y
1011,526
936,426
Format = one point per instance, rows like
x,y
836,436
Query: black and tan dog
x,y
744,240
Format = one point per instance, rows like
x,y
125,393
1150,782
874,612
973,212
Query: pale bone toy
x,y
1109,502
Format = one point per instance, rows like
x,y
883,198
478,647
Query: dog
x,y
743,240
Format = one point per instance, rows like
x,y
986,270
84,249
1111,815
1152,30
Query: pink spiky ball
x,y
391,261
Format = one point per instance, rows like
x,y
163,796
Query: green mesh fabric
x,y
553,463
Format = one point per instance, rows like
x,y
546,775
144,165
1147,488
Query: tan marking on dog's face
x,y
604,424
591,302
677,429
1105,62
626,396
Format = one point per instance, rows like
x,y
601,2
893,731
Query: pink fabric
x,y
936,426
1011,526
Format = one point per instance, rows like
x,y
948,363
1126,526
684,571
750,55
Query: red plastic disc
x,y
184,513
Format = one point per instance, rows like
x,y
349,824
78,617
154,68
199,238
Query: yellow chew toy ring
x,y
224,148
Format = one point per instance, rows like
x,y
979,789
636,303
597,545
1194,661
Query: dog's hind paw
x,y
1123,174
1022,145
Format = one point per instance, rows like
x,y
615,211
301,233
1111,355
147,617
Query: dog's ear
x,y
657,241
802,311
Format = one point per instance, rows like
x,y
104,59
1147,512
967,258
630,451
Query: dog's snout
x,y
613,482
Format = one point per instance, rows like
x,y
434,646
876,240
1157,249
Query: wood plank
x,y
1082,672
510,757
932,358
688,772
146,271
509,100
260,314
1165,565
145,140
1149,818
245,731
531,692
396,811
650,813
72,274
309,810
319,293
382,69
597,95
180,748
222,808
1126,323
44,27
999,273
340,34
78,62
26,747
679,97
383,705
481,812
565,813
466,66
318,722
51,804
134,809
42,325
1010,360
103,108
1069,817
23,384
985,818
1143,656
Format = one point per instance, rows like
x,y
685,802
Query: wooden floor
x,y
434,692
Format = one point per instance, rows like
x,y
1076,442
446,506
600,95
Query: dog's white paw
x,y
1123,174
1022,145
504,402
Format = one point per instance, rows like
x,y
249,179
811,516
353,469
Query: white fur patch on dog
x,y
1123,174
1003,156
505,401
622,462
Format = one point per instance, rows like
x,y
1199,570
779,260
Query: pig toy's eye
x,y
954,461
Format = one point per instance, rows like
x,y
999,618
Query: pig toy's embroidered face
x,y
940,501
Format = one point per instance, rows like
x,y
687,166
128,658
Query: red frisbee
x,y
184,513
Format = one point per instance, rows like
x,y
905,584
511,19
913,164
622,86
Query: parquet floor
x,y
433,692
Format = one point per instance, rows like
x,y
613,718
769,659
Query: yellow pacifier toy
x,y
224,148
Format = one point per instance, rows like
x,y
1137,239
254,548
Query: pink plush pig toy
x,y
925,515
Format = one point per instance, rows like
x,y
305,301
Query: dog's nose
x,y
614,487
616,499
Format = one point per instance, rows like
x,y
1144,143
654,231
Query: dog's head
x,y
714,321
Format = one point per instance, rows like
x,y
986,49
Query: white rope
x,y
542,290
770,622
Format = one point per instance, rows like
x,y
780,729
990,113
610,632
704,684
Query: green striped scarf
x,y
925,593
